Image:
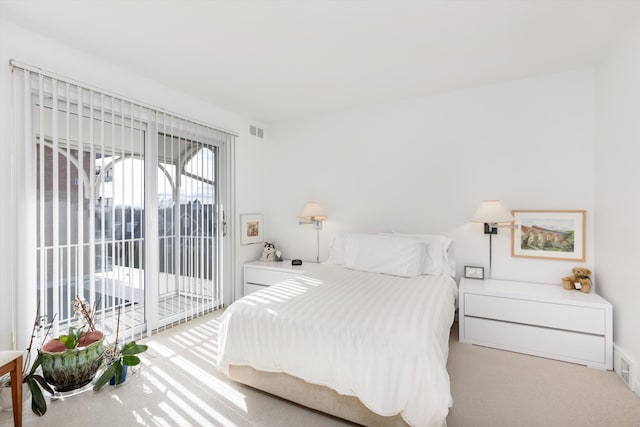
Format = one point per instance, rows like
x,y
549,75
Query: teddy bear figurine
x,y
580,280
268,252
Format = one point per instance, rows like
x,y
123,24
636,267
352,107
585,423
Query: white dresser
x,y
542,320
260,274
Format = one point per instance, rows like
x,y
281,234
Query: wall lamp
x,y
313,213
494,216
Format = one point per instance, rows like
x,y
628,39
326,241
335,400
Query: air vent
x,y
256,131
624,371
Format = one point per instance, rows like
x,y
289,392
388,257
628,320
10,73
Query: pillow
x,y
386,254
440,260
336,251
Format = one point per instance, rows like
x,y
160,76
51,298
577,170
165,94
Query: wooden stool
x,y
11,361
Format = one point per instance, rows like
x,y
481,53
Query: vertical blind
x,y
120,203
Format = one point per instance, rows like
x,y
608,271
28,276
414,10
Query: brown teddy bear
x,y
580,280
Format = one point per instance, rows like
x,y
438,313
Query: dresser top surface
x,y
532,291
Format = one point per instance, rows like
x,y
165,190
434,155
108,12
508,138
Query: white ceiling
x,y
278,60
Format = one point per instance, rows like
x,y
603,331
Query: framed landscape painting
x,y
558,235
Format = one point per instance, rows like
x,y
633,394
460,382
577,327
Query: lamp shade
x,y
313,210
492,212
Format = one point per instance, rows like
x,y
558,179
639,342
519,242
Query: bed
x,y
364,345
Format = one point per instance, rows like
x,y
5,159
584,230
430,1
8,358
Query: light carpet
x,y
177,385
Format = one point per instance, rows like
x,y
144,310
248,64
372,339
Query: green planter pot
x,y
74,368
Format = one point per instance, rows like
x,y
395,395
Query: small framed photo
x,y
473,272
251,226
556,235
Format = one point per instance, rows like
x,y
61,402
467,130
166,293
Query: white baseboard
x,y
632,383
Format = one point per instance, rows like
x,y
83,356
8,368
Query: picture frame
x,y
546,234
471,272
251,229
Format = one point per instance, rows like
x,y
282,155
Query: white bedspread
x,y
381,338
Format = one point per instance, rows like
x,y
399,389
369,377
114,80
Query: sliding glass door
x,y
187,226
128,208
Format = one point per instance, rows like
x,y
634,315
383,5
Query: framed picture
x,y
558,235
473,272
252,228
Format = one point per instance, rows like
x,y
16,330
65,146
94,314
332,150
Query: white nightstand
x,y
260,274
538,319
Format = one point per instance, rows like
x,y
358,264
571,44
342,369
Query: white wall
x,y
32,48
426,164
617,198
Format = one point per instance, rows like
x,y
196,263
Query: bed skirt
x,y
312,396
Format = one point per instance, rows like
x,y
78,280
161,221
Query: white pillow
x,y
440,259
336,251
386,254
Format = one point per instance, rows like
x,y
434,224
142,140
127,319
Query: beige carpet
x,y
178,386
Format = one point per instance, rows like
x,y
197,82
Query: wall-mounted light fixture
x,y
313,213
494,216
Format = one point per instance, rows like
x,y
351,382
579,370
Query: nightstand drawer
x,y
558,316
266,277
589,349
251,288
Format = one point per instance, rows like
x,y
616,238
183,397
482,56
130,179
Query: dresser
x,y
537,319
260,274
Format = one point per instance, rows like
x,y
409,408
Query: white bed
x,y
378,337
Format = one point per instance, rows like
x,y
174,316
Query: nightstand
x,y
537,319
260,274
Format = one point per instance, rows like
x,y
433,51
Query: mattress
x,y
380,338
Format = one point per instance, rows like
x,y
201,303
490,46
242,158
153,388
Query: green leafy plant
x,y
35,381
71,341
29,376
117,359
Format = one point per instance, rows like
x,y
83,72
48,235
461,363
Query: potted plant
x,y
118,359
71,361
117,362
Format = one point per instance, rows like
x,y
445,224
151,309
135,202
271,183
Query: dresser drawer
x,y
553,343
548,314
266,277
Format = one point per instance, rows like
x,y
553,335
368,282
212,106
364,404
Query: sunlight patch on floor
x,y
180,403
115,397
139,418
178,420
193,402
163,351
224,390
155,382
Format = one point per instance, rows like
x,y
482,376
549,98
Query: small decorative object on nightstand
x,y
473,272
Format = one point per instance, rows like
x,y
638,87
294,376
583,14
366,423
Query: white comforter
x,y
381,338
